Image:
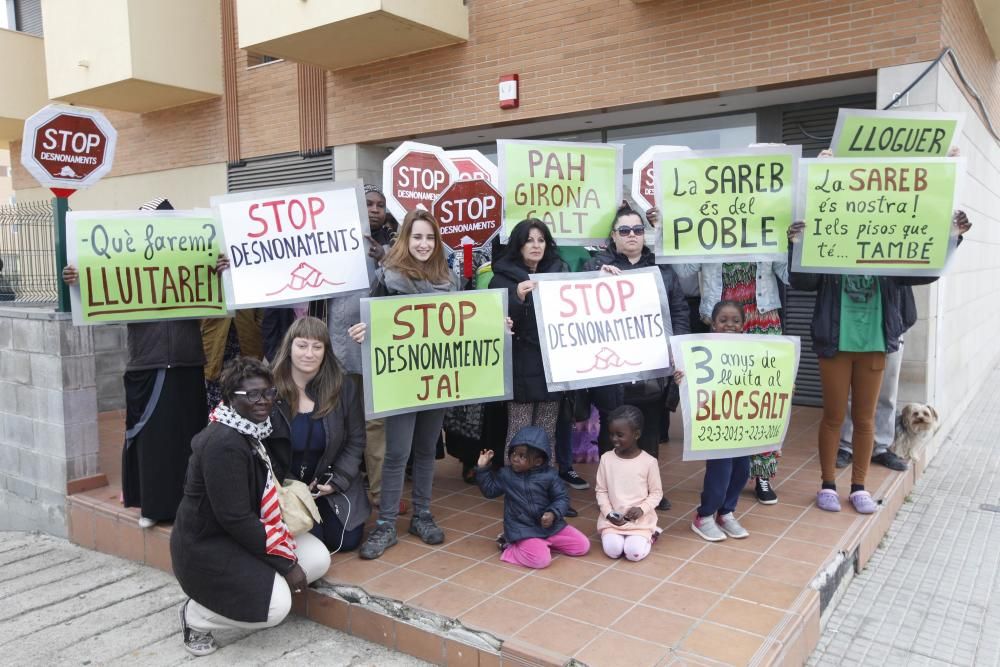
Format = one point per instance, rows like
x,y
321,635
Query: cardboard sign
x,y
68,147
468,209
881,216
643,180
867,133
413,176
434,350
736,396
725,205
294,244
472,165
597,329
574,188
137,266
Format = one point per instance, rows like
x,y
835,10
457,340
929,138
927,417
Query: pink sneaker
x,y
827,499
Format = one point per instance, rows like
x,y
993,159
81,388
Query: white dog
x,y
914,425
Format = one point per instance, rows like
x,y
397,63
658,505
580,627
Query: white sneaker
x,y
732,527
146,523
706,527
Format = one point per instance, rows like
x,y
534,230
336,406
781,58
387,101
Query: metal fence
x,y
27,254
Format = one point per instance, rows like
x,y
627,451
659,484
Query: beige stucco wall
x,y
188,187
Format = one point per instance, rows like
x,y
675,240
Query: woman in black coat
x,y
232,553
531,249
627,251
321,408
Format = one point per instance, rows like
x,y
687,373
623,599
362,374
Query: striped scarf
x,y
279,540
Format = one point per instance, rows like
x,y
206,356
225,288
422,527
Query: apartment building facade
x,y
210,97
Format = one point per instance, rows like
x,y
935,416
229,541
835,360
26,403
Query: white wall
x,y
956,342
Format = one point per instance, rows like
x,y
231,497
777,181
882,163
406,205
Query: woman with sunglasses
x,y
627,251
231,551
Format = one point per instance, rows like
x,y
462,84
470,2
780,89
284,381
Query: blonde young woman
x,y
415,264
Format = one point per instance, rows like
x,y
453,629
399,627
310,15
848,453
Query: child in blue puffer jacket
x,y
535,502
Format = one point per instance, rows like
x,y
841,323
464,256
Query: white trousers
x,y
314,559
635,547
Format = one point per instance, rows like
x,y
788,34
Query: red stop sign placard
x,y
414,175
642,174
472,164
468,208
68,147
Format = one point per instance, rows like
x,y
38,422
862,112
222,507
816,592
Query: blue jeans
x,y
724,480
332,532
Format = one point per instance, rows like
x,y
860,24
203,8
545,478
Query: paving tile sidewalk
x,y
931,594
64,605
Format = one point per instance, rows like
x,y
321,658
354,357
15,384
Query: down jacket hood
x,y
534,437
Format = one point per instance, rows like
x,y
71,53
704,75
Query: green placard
x,y
726,207
862,133
886,216
435,350
736,392
575,188
135,267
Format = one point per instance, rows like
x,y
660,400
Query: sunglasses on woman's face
x,y
628,231
254,395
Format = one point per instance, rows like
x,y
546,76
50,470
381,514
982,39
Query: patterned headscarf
x,y
369,188
157,204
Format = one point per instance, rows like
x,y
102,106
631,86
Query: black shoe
x,y
765,494
574,480
890,461
502,542
664,505
570,513
844,458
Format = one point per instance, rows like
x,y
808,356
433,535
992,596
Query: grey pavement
x,y
64,605
931,594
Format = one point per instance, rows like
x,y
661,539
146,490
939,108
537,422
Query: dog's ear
x,y
933,412
906,412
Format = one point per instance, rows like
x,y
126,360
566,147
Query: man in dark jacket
x,y
535,502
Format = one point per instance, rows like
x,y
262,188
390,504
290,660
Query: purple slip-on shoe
x,y
863,503
827,499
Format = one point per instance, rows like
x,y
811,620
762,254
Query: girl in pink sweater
x,y
628,489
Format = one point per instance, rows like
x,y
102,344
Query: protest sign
x,y
574,188
736,396
597,329
725,205
428,351
137,266
472,165
414,175
643,180
877,216
296,244
868,133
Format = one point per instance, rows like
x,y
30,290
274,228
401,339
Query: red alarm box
x,y
509,91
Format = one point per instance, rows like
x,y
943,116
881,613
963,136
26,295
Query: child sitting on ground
x,y
628,489
724,478
535,502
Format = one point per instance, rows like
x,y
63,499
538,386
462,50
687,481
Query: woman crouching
x,y
232,553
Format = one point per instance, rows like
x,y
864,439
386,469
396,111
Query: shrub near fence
x,y
28,273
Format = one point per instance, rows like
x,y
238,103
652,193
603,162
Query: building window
x,y
256,60
27,15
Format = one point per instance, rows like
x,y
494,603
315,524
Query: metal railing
x,y
27,254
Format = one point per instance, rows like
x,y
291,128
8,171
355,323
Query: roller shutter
x,y
275,171
28,16
810,124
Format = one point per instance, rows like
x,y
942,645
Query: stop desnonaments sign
x,y
68,147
